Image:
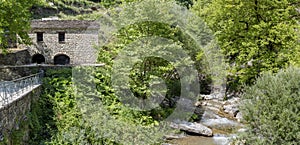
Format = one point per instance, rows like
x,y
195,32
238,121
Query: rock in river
x,y
196,128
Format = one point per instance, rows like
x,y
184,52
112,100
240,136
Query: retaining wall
x,y
13,114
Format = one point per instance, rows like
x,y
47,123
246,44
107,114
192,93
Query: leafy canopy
x,y
255,35
15,19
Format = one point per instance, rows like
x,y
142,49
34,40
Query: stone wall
x,y
10,65
80,37
12,115
18,57
8,73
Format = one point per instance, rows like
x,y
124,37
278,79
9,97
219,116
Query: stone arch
x,y
38,58
61,59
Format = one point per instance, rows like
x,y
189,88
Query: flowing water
x,y
223,129
199,140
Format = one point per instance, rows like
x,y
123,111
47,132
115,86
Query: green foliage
x,y
43,115
186,3
18,135
139,30
67,9
255,35
111,101
271,109
56,118
143,72
112,3
59,116
89,16
106,115
15,19
85,109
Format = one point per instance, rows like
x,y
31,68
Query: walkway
x,y
11,91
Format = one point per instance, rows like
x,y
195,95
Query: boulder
x,y
198,104
190,127
239,116
208,97
231,109
233,100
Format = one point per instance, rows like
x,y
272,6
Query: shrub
x,y
271,109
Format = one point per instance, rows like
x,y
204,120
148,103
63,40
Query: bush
x,y
271,109
71,111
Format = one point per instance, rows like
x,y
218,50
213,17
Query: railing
x,y
11,90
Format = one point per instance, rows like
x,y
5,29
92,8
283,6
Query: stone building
x,y
63,41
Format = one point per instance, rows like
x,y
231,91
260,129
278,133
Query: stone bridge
x,y
15,100
63,41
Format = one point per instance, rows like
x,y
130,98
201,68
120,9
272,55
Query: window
x,y
61,36
39,36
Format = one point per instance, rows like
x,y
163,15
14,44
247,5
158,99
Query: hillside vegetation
x,y
67,9
259,41
80,9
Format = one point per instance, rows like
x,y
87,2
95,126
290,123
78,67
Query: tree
x,y
254,35
142,71
14,19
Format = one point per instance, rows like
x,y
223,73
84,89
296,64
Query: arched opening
x,y
61,59
38,58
